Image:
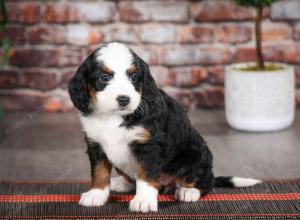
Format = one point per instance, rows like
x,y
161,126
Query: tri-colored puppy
x,y
132,125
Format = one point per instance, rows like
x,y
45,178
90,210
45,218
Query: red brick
x,y
245,54
157,33
209,96
66,75
39,79
36,79
95,37
149,54
56,57
189,55
298,98
20,100
60,13
297,75
233,33
127,33
266,12
276,31
9,79
215,10
79,34
183,96
187,76
215,55
199,73
90,49
195,34
285,10
49,34
297,31
287,52
93,12
53,105
161,75
58,101
179,76
13,9
24,100
140,11
28,13
96,12
216,75
15,34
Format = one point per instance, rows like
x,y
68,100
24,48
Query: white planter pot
x,y
259,101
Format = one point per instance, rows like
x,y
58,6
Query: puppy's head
x,y
113,80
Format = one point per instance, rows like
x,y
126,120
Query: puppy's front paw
x,y
187,194
143,204
94,197
120,184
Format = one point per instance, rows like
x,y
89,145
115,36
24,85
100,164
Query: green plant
x,y
1,112
5,42
258,5
3,24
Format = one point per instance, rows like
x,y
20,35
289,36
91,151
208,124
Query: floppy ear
x,y
149,86
78,89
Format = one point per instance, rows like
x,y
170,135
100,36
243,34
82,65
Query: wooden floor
x,y
50,146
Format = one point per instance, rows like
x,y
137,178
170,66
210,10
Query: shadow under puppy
x,y
132,125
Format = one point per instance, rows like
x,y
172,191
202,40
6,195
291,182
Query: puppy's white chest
x,y
114,139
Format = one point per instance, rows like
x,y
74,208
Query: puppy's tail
x,y
231,181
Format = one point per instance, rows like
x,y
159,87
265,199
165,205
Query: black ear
x,y
149,86
78,89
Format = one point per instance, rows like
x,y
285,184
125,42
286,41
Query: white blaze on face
x,y
118,58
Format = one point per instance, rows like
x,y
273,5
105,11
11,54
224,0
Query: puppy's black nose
x,y
123,100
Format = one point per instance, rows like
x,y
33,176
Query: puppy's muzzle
x,y
123,100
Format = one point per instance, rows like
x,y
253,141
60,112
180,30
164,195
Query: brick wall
x,y
187,44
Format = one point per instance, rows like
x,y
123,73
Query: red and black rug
x,y
58,200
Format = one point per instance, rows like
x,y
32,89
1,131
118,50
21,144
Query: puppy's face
x,y
110,80
115,83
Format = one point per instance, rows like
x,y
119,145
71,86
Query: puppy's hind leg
x,y
194,174
191,191
186,192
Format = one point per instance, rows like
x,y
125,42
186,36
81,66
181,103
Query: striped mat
x,y
58,200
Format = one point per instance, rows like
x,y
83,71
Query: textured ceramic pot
x,y
259,101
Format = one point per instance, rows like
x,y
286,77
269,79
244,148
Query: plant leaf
x,y
255,3
5,51
4,17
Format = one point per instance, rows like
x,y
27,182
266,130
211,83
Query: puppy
x,y
135,127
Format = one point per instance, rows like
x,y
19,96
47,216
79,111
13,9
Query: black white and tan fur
x,y
135,127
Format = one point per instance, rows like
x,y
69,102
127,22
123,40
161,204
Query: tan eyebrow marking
x,y
106,69
131,70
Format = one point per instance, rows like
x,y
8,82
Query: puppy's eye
x,y
105,77
133,77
